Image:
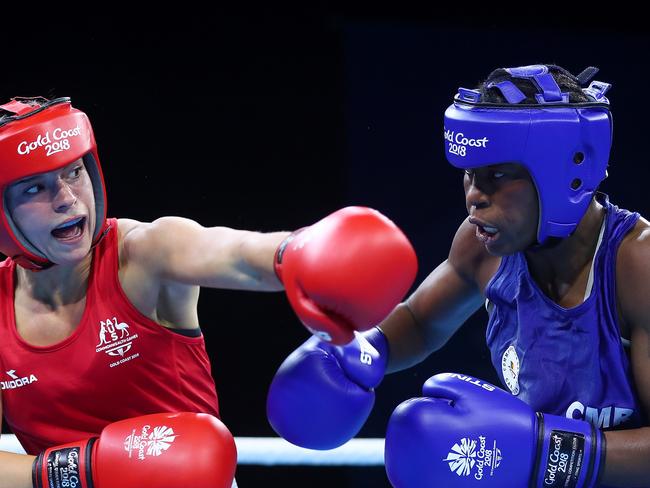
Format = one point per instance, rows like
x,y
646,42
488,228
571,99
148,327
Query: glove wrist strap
x,y
279,252
66,466
570,453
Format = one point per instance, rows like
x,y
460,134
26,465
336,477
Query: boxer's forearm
x,y
627,462
15,470
405,339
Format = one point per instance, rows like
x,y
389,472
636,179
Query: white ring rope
x,y
270,451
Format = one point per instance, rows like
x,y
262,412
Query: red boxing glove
x,y
156,451
346,272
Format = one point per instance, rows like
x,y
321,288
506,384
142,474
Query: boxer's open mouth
x,y
70,229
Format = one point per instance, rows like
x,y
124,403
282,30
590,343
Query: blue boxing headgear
x,y
564,146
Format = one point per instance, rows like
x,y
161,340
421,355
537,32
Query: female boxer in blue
x,y
565,278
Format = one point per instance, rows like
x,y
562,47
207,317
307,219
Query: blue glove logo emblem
x,y
464,457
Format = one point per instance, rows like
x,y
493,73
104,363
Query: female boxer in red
x,y
98,316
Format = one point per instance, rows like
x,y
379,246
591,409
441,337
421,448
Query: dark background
x,y
269,119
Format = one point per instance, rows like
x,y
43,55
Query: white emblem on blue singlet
x,y
510,369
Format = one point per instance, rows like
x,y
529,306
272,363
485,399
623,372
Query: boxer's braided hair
x,y
567,82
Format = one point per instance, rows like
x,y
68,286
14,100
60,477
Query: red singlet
x,y
116,364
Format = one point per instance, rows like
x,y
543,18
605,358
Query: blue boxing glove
x,y
322,394
466,432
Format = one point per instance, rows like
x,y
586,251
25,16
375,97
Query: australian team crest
x,y
115,338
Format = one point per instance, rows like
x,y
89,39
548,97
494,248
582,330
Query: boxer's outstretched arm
x,y
345,272
441,304
180,250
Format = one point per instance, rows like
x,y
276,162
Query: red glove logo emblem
x,y
149,443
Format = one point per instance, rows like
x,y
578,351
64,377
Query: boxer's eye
x,y
33,190
76,172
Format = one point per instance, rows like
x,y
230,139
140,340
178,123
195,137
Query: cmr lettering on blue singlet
x,y
601,418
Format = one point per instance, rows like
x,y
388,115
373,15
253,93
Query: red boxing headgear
x,y
38,135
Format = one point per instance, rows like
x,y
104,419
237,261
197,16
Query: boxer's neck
x,y
564,268
55,286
